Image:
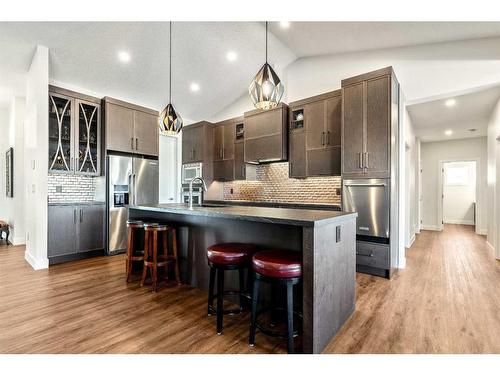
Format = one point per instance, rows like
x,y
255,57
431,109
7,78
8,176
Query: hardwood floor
x,y
447,300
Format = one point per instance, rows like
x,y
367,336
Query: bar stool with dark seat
x,y
225,257
153,259
279,267
135,242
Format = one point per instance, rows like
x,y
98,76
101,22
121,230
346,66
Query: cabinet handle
x,y
223,152
137,143
322,138
328,137
367,165
74,215
365,255
132,143
360,160
243,171
220,153
81,216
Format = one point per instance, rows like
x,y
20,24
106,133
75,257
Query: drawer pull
x,y
365,255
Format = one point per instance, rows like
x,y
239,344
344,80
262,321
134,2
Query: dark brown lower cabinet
x,y
224,170
75,231
297,157
323,162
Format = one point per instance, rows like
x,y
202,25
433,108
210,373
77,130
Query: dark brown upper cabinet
x,y
315,135
130,128
197,141
224,139
266,136
370,110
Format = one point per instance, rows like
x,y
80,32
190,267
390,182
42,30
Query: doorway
x,y
459,192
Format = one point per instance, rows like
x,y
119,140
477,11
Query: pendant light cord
x,y
266,42
170,66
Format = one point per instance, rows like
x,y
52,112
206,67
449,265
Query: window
x,y
457,175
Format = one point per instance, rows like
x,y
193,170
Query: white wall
x,y
432,153
36,158
12,130
169,160
458,199
410,169
493,235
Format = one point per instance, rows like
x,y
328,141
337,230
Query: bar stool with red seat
x,y
280,267
226,257
153,258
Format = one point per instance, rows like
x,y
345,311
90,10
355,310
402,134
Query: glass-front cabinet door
x,y
87,138
60,133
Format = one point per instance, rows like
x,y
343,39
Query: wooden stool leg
x,y
255,299
130,252
220,299
174,248
289,313
211,290
164,236
146,256
155,261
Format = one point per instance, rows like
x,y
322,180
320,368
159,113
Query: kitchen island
x,y
327,240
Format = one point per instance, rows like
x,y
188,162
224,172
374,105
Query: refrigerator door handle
x,y
135,192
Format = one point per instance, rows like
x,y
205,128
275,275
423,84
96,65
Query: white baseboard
x,y
402,263
460,222
412,239
18,241
481,231
430,227
37,264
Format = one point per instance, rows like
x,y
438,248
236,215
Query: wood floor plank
x,y
446,301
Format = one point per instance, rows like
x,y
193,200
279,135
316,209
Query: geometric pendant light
x,y
170,122
266,88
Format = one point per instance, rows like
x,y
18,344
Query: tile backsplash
x,y
274,185
70,188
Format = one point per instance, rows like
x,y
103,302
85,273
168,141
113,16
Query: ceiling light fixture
x,y
170,122
448,132
285,24
124,56
231,56
194,87
450,102
266,88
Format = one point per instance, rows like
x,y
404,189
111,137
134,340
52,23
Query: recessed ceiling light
x,y
450,102
194,87
231,56
124,56
285,24
448,132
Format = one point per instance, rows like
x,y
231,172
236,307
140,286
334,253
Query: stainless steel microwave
x,y
190,171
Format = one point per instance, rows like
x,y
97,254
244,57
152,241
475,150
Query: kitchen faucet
x,y
191,190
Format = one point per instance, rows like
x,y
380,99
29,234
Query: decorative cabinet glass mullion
x,y
74,136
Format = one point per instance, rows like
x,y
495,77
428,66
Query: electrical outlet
x,y
231,191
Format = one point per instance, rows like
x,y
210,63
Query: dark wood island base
x,y
327,240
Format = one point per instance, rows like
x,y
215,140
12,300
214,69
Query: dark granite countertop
x,y
309,206
289,216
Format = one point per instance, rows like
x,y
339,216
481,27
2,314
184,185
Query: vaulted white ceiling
x,y
470,111
84,54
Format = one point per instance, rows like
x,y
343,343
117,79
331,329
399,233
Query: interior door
x,y
352,130
377,160
169,171
119,128
146,181
90,228
314,114
146,133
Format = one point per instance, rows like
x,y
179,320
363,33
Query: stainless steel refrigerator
x,y
131,181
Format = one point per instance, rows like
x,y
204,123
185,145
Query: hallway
x,y
447,300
